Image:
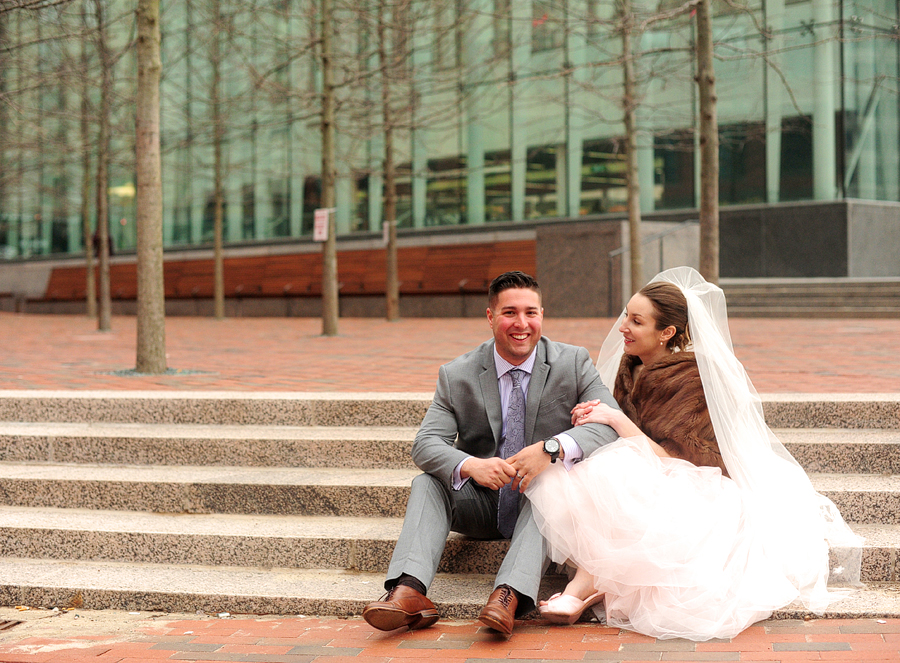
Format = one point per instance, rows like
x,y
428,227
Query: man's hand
x,y
527,464
492,473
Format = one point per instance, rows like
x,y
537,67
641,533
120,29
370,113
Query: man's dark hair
x,y
509,280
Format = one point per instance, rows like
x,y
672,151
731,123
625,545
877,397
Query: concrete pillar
x,y
422,69
376,183
477,47
343,185
518,134
824,143
774,94
888,137
261,198
646,170
576,48
475,199
46,207
419,180
562,162
234,203
74,233
573,171
646,155
866,173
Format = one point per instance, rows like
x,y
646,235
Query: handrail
x,y
625,249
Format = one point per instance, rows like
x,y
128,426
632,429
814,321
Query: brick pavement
x,y
289,354
299,639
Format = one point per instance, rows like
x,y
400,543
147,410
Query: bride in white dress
x,y
713,529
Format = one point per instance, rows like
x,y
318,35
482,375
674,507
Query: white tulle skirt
x,y
674,546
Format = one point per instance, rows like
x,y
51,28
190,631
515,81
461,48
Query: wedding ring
x,y
519,475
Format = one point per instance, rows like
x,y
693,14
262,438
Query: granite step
x,y
325,542
858,451
862,498
171,489
172,588
216,407
290,542
207,444
886,308
370,409
833,450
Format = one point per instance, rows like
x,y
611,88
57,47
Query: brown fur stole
x,y
667,403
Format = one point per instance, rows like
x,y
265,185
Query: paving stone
x,y
811,646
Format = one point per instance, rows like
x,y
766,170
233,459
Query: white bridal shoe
x,y
566,609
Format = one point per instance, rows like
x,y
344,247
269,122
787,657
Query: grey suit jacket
x,y
464,418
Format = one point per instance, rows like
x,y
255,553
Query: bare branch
x,y
12,5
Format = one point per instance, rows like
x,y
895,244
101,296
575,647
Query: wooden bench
x,y
423,270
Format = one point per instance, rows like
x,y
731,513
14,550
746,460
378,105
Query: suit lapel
x,y
490,393
535,391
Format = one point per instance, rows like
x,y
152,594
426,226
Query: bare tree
x,y
388,64
103,157
151,306
629,101
5,220
709,146
330,302
218,164
90,287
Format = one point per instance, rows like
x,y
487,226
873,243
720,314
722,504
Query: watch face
x,y
551,446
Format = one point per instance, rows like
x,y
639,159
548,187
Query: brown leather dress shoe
x,y
500,611
401,606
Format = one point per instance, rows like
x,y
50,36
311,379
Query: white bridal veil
x,y
798,525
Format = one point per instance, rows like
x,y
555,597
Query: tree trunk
x,y
392,287
219,135
102,235
633,186
90,285
709,146
4,130
329,249
151,305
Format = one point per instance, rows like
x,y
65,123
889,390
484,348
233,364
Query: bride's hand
x,y
601,413
594,412
582,409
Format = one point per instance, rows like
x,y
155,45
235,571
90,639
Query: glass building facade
x,y
500,110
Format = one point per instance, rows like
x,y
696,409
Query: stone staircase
x,y
291,503
813,297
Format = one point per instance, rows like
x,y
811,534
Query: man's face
x,y
516,322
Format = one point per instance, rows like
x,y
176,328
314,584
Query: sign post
x,y
320,224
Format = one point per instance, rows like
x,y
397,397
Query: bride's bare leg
x,y
581,586
578,596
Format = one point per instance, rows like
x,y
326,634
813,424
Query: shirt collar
x,y
503,367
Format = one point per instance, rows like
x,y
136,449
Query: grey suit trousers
x,y
434,510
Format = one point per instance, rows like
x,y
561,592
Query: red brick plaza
x,y
306,640
289,354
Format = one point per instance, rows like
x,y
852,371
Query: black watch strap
x,y
553,454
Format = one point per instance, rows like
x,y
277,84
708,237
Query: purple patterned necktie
x,y
513,443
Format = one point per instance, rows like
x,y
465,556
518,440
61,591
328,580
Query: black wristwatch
x,y
552,447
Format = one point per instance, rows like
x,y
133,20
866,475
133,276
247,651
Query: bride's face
x,y
642,338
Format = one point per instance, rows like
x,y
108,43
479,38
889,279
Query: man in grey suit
x,y
501,414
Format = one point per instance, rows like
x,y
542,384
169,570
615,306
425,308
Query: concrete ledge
x,y
279,591
371,409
